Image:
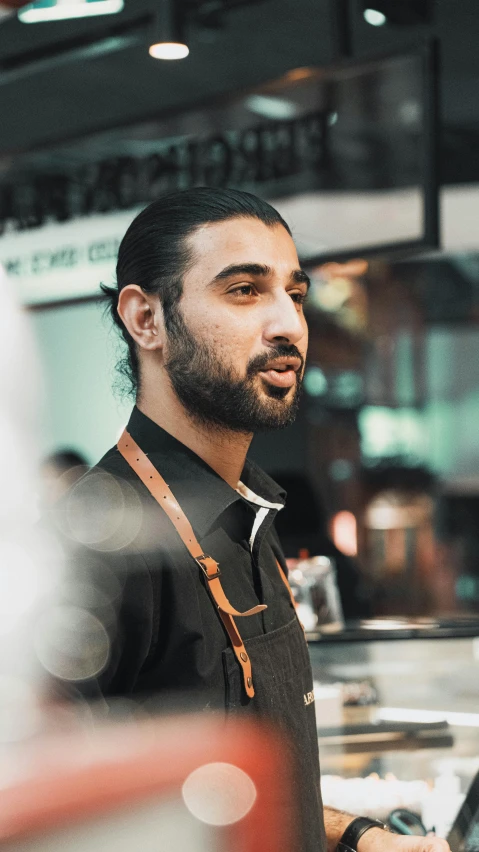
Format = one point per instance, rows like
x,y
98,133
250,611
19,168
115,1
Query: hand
x,y
377,840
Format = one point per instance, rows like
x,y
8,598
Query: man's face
x,y
236,346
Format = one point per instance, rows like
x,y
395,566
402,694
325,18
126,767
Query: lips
x,y
281,372
283,379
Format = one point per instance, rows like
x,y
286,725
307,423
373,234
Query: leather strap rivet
x,y
249,682
244,656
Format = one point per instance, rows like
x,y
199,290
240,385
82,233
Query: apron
x,y
284,694
269,675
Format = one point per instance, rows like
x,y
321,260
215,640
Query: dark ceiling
x,y
61,80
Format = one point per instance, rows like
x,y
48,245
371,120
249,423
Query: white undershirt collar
x,y
255,498
263,511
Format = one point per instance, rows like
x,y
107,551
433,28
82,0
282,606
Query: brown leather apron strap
x,y
163,495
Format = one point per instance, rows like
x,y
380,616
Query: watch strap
x,y
355,830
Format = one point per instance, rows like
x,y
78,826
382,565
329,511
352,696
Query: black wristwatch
x,y
350,839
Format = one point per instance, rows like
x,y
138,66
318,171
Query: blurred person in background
x,y
400,542
174,526
59,471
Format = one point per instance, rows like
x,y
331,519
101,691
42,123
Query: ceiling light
x,y
168,50
399,12
167,38
375,18
58,10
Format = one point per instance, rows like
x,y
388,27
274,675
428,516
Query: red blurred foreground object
x,y
182,785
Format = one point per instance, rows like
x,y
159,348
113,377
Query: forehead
x,y
241,240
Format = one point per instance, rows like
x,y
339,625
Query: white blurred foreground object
x,y
29,560
182,785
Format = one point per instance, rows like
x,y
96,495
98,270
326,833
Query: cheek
x,y
228,335
233,346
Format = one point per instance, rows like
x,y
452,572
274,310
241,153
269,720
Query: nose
x,y
284,322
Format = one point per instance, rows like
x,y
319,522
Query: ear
x,y
142,316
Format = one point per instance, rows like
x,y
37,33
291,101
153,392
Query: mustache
x,y
285,350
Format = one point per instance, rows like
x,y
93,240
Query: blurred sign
x,y
399,433
263,157
66,261
344,154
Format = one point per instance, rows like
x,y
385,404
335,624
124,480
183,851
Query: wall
x,y
77,347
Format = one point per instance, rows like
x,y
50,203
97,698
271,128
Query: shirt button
x,y
244,656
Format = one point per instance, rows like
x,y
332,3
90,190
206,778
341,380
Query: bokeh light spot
x,y
219,793
103,513
71,643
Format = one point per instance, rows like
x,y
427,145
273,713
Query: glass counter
x,y
397,708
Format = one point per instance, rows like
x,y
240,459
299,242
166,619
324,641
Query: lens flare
x,y
71,643
219,793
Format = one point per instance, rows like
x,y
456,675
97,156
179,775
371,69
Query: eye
x,y
244,290
299,298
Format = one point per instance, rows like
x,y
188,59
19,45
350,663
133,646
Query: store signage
x,y
66,261
256,158
328,147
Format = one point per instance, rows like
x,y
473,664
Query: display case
x,y
397,707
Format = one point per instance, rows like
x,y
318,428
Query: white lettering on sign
x,y
308,698
67,261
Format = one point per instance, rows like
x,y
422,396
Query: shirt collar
x,y
201,492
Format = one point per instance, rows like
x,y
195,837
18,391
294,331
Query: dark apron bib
x,y
283,694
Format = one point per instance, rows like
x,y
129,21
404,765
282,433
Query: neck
x,y
224,451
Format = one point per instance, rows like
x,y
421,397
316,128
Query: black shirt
x,y
132,573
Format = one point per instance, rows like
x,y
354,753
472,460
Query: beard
x,y
212,393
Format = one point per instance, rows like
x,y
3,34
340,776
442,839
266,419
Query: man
x,y
178,523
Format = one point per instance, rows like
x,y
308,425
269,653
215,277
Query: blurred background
x,y
359,120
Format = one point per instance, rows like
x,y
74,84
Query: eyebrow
x,y
298,276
